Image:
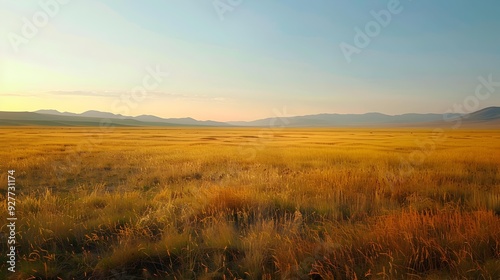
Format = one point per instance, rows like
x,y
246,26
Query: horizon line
x,y
265,118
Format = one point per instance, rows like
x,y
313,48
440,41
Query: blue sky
x,y
255,58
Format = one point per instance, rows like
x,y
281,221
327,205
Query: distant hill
x,y
348,120
141,120
486,114
488,117
29,118
180,121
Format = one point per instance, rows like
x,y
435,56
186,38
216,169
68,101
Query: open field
x,y
193,203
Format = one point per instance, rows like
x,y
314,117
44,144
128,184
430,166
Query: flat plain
x,y
243,203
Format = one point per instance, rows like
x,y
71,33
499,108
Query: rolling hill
x,y
30,118
142,119
487,117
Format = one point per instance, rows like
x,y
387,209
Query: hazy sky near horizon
x,y
248,61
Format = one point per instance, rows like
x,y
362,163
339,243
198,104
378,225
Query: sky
x,y
231,60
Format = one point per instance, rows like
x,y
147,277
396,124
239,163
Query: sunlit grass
x,y
308,203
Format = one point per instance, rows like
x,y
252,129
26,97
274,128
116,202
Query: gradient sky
x,y
262,56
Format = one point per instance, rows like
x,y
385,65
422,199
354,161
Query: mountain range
x,y
488,117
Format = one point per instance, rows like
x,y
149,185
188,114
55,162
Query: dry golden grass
x,y
192,203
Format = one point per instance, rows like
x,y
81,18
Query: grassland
x,y
213,203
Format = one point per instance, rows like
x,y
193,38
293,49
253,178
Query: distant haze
x,y
257,58
485,118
